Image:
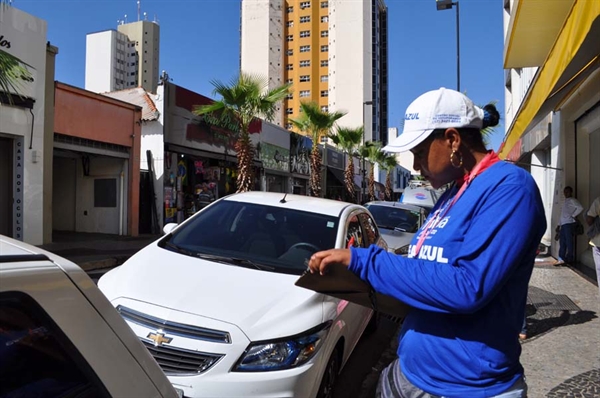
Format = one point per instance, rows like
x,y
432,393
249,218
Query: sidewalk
x,y
561,354
93,251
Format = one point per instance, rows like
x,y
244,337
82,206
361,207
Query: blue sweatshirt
x,y
468,285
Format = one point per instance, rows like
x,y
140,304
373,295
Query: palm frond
x,y
13,74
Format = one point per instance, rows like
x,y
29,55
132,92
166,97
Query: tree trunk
x,y
245,156
388,185
349,180
315,171
372,183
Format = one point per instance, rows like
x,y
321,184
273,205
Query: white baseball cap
x,y
437,109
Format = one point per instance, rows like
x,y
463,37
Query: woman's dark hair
x,y
491,117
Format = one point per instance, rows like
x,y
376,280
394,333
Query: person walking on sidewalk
x,y
468,268
570,210
593,220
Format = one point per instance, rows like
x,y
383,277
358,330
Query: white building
x,y
331,52
402,174
124,58
22,137
551,52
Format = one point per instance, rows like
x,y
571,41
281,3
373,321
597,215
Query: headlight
x,y
403,251
286,353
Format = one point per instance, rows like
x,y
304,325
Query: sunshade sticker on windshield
x,y
330,224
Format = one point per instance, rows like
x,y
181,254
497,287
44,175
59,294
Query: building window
x,y
324,78
324,49
290,9
325,63
304,93
324,93
305,63
304,4
305,78
289,81
289,111
290,96
289,67
305,19
305,33
325,19
324,4
289,126
325,108
289,52
304,49
324,33
289,24
289,38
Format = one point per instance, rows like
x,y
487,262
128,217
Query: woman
x,y
468,267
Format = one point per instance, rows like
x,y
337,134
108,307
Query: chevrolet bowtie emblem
x,y
159,338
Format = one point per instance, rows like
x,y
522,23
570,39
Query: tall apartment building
x,y
332,52
123,58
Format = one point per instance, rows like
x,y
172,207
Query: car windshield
x,y
255,236
390,217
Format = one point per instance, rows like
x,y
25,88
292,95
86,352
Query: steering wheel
x,y
406,226
304,244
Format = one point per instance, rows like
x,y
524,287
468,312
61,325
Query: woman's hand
x,y
320,261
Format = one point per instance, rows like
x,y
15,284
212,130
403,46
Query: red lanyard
x,y
486,162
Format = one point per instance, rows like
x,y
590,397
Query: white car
x,y
215,302
60,337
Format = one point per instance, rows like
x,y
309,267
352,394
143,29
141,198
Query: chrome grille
x,y
177,329
176,361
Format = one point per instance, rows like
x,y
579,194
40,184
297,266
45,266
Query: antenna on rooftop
x,y
145,16
125,18
138,4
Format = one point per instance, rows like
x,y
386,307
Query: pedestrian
x,y
468,268
570,210
593,220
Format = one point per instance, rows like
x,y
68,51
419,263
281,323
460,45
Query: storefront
x,y
300,147
274,153
22,138
199,156
335,186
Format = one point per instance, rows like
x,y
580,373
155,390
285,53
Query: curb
x,y
98,264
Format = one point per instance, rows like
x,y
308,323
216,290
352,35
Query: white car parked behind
x,y
215,302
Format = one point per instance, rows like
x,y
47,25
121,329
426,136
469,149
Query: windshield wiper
x,y
234,260
179,249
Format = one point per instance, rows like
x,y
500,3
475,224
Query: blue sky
x,y
200,42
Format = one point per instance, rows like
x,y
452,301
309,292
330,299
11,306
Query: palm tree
x,y
316,123
348,139
13,71
388,163
371,151
245,98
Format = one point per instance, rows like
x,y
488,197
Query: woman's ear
x,y
453,138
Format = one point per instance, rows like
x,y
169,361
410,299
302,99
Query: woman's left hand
x,y
320,261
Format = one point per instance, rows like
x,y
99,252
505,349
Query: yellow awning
x,y
573,57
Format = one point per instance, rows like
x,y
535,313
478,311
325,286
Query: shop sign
x,y
300,147
274,157
18,188
335,159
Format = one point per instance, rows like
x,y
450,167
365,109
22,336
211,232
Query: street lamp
x,y
447,5
364,169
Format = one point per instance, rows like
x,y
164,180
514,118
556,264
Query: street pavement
x,y
561,354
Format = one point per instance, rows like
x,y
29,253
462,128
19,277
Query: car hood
x,y
396,239
252,300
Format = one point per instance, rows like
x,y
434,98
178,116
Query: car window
x,y
276,236
36,358
371,233
390,217
354,233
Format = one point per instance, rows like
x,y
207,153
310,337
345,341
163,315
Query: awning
x,y
339,176
573,57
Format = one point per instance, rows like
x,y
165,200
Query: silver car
x,y
397,222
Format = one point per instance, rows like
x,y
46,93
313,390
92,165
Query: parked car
x,y
215,302
398,222
59,335
418,194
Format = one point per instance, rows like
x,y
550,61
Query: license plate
x,y
179,392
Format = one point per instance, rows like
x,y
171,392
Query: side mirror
x,y
169,227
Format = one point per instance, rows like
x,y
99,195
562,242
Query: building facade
x,y
23,138
124,58
331,52
551,59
